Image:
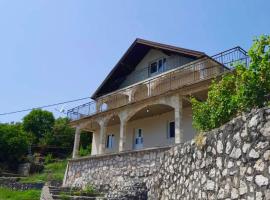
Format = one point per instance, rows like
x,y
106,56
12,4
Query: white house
x,y
144,101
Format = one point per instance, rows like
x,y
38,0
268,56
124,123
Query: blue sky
x,y
53,51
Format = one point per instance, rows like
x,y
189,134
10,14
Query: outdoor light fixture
x,y
147,110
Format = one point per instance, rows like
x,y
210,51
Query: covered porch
x,y
160,122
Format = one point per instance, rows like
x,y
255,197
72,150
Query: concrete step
x,y
69,197
60,193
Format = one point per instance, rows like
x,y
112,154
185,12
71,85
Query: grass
x,y
9,194
53,171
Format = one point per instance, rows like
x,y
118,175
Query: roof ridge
x,y
149,42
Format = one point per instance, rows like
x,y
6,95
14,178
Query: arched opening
x,y
150,111
151,126
141,92
112,134
89,139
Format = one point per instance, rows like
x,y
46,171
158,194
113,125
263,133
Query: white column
x,y
149,89
76,146
102,135
122,140
178,116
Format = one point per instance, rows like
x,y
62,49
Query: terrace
x,y
199,70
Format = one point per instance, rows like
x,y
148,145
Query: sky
x,y
53,51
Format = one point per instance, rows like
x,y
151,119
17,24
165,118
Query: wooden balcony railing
x,y
202,69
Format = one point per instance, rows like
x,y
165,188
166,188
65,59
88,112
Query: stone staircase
x,y
61,193
129,191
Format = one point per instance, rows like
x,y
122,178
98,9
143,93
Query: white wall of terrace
x,y
123,127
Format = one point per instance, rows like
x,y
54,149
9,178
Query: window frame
x,y
169,130
110,141
159,69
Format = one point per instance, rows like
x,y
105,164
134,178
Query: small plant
x,y
49,158
200,140
64,196
89,190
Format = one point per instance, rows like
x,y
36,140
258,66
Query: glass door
x,y
138,143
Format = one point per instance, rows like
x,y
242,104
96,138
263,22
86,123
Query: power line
x,y
46,106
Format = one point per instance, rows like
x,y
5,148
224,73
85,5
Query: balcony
x,y
193,72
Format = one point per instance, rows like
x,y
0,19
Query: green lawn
x,y
8,194
52,171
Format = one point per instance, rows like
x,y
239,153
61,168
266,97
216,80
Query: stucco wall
x,y
141,72
155,131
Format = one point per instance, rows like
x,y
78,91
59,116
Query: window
x,y
157,66
138,138
110,141
153,68
171,130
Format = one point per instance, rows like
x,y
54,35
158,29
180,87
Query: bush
x,y
85,151
240,91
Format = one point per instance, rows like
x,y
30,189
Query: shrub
x,y
49,158
242,90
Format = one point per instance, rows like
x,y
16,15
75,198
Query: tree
x,y
14,144
240,91
38,122
62,135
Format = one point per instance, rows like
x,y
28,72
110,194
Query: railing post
x,y
170,81
149,89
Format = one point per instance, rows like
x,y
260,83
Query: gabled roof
x,y
135,53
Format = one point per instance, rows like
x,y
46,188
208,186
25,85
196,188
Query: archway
x,y
151,126
89,138
112,134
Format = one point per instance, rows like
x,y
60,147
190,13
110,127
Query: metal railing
x,y
229,57
202,69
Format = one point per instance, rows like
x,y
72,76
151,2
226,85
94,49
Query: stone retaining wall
x,y
115,172
231,162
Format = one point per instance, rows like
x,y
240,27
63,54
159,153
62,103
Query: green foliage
x,y
61,135
64,196
236,92
89,190
9,194
48,158
14,143
85,151
53,171
38,122
86,139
